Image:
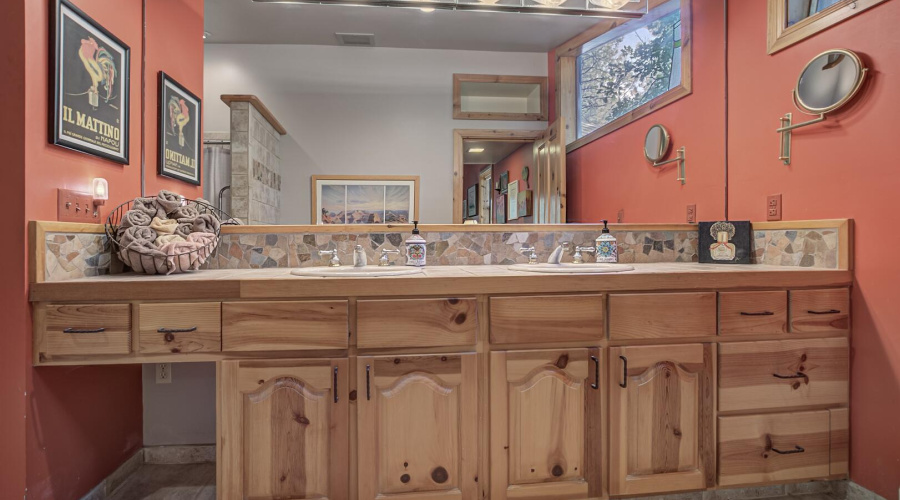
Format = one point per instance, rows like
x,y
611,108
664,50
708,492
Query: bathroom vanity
x,y
467,382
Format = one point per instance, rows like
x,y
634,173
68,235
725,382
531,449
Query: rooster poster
x,y
179,131
91,86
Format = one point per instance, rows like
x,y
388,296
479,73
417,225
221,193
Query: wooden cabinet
x,y
661,419
417,427
83,329
756,313
546,439
437,322
546,318
274,326
283,428
662,315
821,311
180,327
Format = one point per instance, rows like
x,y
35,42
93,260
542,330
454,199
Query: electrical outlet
x,y
691,214
773,207
163,373
73,206
620,216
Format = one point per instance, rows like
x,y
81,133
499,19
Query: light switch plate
x,y
620,216
691,214
73,206
773,207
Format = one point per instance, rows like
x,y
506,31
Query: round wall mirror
x,y
656,144
829,81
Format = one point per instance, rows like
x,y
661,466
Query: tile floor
x,y
169,482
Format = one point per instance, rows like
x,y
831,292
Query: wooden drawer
x,y
662,315
753,313
278,326
758,449
820,310
416,322
181,327
783,374
86,329
549,318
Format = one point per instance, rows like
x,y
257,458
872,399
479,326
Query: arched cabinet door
x,y
546,439
661,419
417,427
283,427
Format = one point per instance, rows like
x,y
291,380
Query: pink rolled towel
x,y
182,256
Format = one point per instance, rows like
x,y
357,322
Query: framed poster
x,y
472,201
525,203
512,213
500,209
178,132
89,106
504,182
725,242
361,199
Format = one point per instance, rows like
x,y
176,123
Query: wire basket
x,y
141,260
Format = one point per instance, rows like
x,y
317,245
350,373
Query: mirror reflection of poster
x,y
179,131
349,199
90,98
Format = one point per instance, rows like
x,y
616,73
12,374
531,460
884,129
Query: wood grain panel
x,y
417,322
820,310
86,329
180,328
840,441
767,448
662,315
546,318
661,422
783,374
753,312
269,326
546,441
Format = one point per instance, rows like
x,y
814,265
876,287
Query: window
x,y
791,21
625,68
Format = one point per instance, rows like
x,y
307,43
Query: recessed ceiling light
x,y
206,34
427,9
476,150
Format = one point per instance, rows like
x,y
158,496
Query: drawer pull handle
x,y
830,311
624,383
335,385
368,391
797,375
596,384
84,330
797,449
761,313
177,330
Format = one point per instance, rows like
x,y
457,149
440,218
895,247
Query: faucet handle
x,y
335,261
384,260
530,253
579,259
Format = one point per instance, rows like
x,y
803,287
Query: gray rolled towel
x,y
185,212
149,206
206,223
169,201
138,238
135,218
185,226
138,251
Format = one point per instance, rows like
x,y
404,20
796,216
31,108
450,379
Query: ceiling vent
x,y
356,39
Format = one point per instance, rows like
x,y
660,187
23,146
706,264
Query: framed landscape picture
x,y
360,199
525,203
472,201
500,209
512,213
178,131
89,106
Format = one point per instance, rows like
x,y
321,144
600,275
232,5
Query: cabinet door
x,y
661,419
417,427
546,439
283,429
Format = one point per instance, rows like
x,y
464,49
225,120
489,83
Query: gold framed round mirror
x,y
656,143
829,81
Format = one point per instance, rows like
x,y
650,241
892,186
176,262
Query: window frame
x,y
780,36
567,79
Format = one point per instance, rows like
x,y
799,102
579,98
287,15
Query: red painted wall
x,y
513,164
844,167
611,173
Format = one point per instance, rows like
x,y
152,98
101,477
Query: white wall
x,y
358,111
183,411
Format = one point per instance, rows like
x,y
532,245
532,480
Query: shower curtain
x,y
217,175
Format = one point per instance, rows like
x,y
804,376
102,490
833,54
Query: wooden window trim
x,y
781,36
567,81
459,114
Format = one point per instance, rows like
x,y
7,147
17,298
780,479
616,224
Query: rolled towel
x,y
185,226
206,223
169,201
206,241
149,206
185,212
182,256
164,226
165,239
137,238
137,249
134,218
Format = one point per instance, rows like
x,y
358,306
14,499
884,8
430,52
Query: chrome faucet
x,y
335,261
359,256
579,259
530,253
557,255
384,260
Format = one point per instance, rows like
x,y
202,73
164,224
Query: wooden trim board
x,y
257,103
780,36
459,114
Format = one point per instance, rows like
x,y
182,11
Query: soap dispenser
x,y
415,248
607,246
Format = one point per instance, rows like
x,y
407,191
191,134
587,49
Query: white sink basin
x,y
569,268
356,272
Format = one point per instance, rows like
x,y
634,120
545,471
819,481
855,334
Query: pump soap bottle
x,y
415,248
607,246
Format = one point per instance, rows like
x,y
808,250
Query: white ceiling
x,y
494,151
242,21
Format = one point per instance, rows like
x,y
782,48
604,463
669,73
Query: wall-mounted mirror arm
x,y
679,157
787,125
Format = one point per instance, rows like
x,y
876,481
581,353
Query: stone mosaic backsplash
x,y
70,255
